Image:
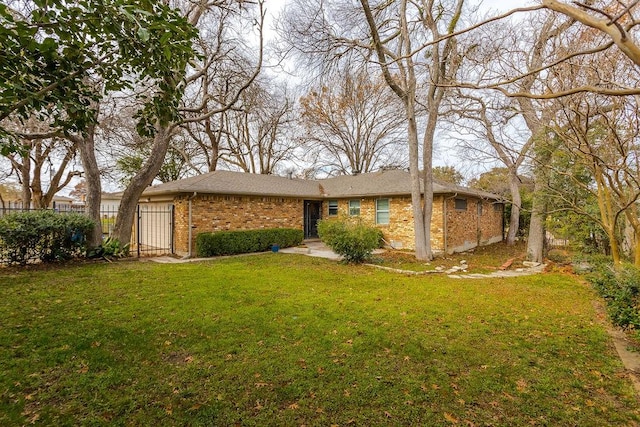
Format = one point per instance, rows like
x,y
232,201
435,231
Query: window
x,y
461,204
354,207
333,207
497,207
382,211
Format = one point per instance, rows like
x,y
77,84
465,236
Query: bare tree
x,y
400,37
42,157
255,137
351,124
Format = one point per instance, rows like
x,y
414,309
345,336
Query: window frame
x,y
459,200
381,211
353,208
331,208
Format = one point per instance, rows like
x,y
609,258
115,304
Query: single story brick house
x,y
463,218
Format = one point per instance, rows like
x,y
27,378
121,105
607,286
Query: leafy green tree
x,y
58,58
173,168
448,174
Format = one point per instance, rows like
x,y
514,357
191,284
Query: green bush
x,y
350,238
246,241
42,235
621,290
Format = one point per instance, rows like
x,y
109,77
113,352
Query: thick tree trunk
x,y
422,251
516,204
427,166
537,230
94,186
144,177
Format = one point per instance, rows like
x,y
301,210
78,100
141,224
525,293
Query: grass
x,y
288,340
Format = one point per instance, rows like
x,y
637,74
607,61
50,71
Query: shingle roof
x,y
381,183
227,182
389,183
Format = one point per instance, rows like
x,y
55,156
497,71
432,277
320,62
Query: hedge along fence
x,y
246,241
42,235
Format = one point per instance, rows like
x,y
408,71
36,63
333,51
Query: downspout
x,y
190,254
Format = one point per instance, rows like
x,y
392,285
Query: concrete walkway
x,y
316,248
313,248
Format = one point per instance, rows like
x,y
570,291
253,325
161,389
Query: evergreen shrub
x,y
246,241
42,236
350,238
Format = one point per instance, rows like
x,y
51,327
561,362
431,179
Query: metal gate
x,y
153,234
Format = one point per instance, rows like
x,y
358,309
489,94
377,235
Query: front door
x,y
312,214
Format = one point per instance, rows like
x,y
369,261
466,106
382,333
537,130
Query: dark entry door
x,y
312,213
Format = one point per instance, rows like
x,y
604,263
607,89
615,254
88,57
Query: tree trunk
x,y
427,166
94,186
422,251
25,172
144,177
516,203
537,230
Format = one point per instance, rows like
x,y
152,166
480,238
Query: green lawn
x,y
288,340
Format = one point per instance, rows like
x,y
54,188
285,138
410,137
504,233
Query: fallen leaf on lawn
x,y
319,411
34,418
83,370
294,406
96,344
260,385
347,393
167,343
450,418
521,385
188,359
169,410
387,414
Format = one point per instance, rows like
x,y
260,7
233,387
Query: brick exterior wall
x,y
221,213
465,229
477,225
399,232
